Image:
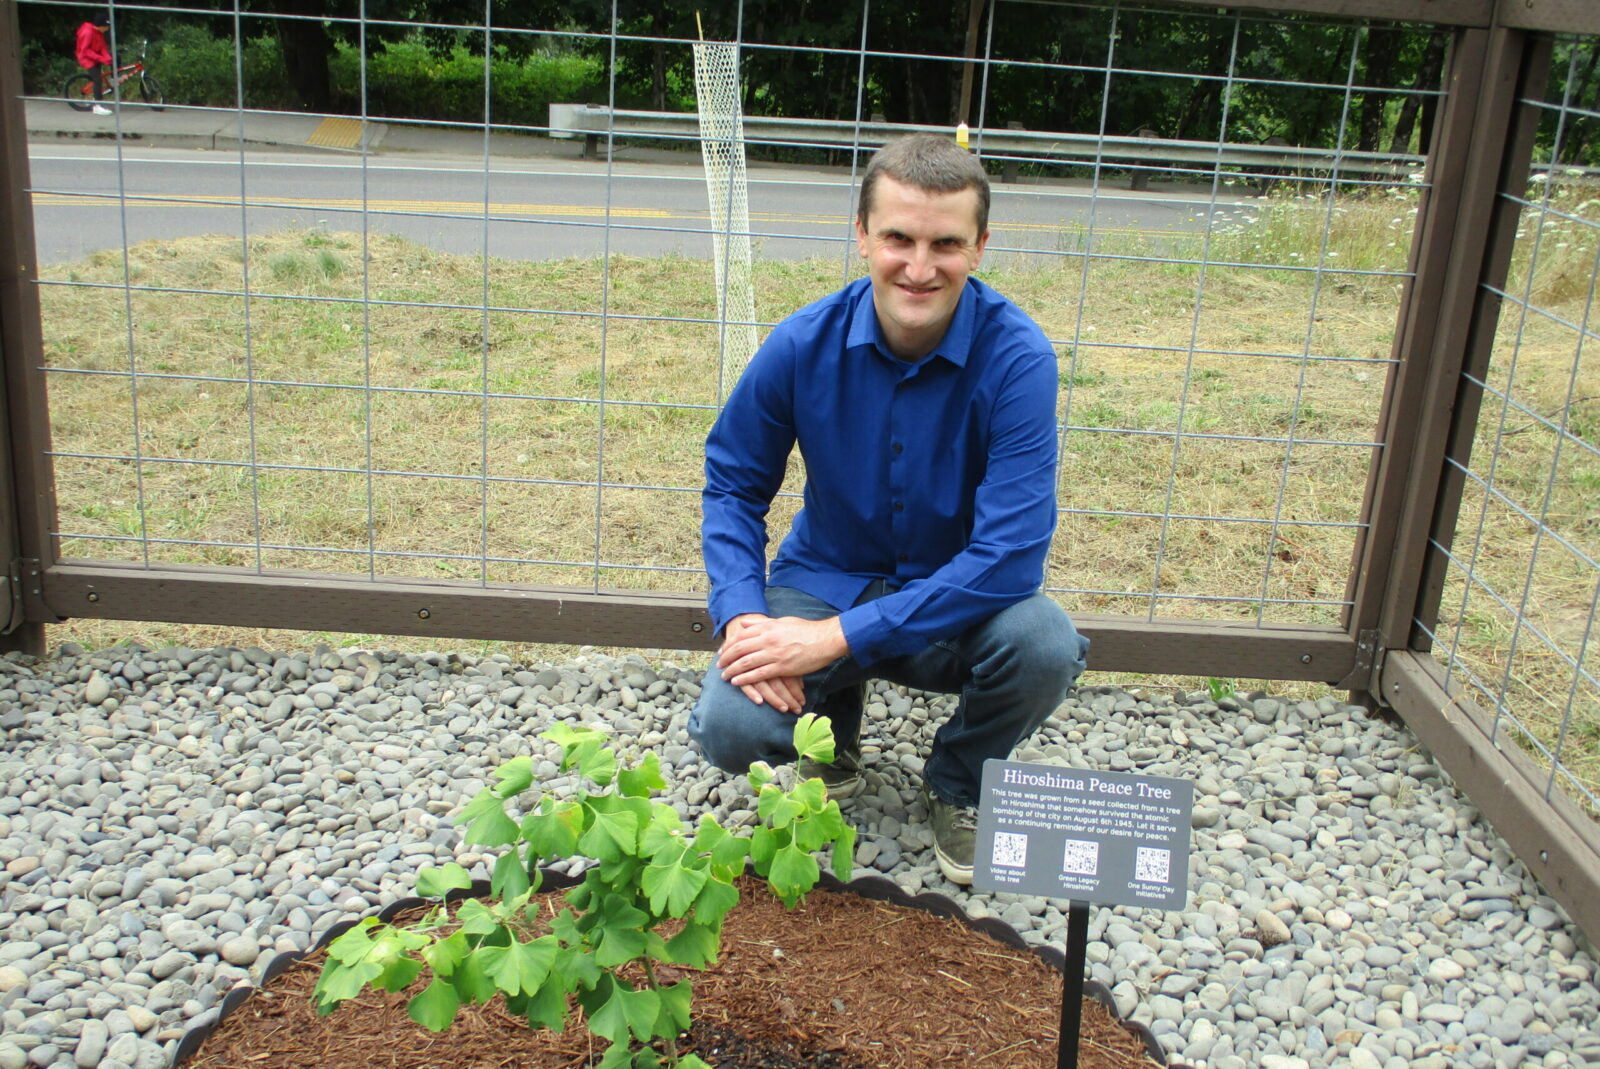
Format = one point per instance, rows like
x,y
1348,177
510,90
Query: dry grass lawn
x,y
1218,424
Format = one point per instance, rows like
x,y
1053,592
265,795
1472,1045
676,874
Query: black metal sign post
x,y
1072,985
1086,836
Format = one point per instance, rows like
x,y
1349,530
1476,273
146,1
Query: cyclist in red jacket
x,y
94,54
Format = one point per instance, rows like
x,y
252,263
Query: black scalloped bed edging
x,y
875,888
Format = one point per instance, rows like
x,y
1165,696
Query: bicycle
x,y
79,89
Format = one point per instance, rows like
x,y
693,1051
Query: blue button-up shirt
x,y
938,475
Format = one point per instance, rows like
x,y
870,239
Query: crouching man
x,y
923,403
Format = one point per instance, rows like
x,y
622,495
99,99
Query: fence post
x,y
27,496
1466,232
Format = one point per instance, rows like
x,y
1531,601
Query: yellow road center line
x,y
444,207
465,207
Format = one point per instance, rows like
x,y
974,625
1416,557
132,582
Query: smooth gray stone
x,y
167,964
91,1044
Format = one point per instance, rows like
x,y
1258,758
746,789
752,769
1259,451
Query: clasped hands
x,y
768,657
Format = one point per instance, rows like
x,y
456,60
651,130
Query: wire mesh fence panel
x,y
477,352
1221,380
1517,621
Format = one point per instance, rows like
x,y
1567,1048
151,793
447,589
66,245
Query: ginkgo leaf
x,y
760,775
811,793
476,919
777,808
336,985
813,738
671,887
519,967
614,835
715,900
435,1009
675,1002
695,945
439,882
547,1007
643,781
553,830
844,853
624,1012
471,981
355,944
486,820
708,834
398,974
443,957
794,872
510,876
598,764
617,1056
570,736
618,944
515,776
658,838
763,845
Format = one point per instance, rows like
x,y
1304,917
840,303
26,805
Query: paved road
x,y
86,194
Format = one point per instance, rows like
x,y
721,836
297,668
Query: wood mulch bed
x,y
839,982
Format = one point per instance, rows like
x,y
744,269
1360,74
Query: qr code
x,y
1152,865
1082,857
1010,850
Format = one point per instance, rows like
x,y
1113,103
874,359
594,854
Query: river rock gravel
x,y
170,819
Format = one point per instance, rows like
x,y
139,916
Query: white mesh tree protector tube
x,y
716,80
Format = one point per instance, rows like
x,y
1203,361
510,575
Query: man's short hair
x,y
932,163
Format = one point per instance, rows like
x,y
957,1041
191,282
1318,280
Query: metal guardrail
x,y
1145,154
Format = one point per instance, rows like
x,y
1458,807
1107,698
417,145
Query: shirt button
x,y
899,506
898,448
904,559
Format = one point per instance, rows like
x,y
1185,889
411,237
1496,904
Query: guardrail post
x,y
1009,169
1140,179
27,496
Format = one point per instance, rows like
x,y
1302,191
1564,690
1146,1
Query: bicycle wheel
x,y
148,90
79,92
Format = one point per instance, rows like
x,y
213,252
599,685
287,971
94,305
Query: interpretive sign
x,y
1083,834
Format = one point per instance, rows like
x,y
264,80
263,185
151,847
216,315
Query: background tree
x,y
1046,65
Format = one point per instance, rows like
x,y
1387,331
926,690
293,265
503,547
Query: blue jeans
x,y
1011,672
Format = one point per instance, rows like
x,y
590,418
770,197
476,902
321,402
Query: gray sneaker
x,y
955,836
842,777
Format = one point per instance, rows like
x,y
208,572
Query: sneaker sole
x,y
959,874
838,792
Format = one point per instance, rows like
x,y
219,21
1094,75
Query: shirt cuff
x,y
871,638
736,600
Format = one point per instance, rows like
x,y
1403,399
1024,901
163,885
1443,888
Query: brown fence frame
x,y
1483,140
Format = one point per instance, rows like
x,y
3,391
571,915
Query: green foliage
x,y
650,871
197,65
198,68
1219,688
46,69
410,80
1178,71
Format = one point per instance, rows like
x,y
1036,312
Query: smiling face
x,y
919,247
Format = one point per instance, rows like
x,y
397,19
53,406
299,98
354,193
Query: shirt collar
x,y
955,346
